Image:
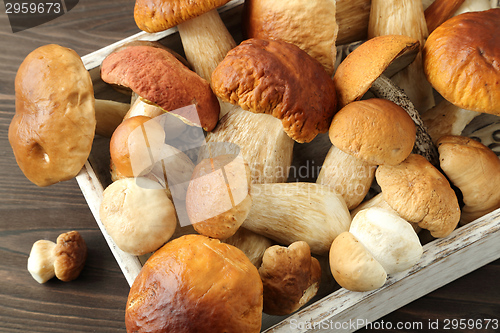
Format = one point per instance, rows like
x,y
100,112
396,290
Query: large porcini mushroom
x,y
138,214
290,277
419,193
160,78
461,60
374,132
52,131
378,243
475,170
197,284
404,17
64,259
311,25
278,78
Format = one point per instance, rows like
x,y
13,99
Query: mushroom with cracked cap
x,y
64,259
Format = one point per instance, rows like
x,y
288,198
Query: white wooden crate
x,y
444,260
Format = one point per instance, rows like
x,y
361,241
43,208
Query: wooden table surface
x,y
95,302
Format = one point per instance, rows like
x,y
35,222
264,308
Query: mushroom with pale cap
x,y
419,193
374,132
160,78
138,215
475,170
290,277
64,259
52,131
378,243
311,25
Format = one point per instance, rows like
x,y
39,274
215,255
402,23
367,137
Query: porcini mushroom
x,y
64,259
138,215
158,77
419,193
461,60
311,25
475,170
196,277
378,243
278,78
404,17
218,196
374,132
290,277
52,131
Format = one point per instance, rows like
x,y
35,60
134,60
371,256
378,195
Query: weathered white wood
x,y
443,261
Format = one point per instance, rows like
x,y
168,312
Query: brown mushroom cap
x,y
420,193
52,131
462,60
475,170
290,277
196,284
278,78
70,255
158,77
355,75
218,196
352,265
376,130
159,15
310,25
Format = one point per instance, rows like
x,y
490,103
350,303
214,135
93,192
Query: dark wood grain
x,y
95,302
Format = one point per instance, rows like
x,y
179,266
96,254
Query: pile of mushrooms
x,y
208,150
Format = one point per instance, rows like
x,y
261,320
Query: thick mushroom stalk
x,y
405,17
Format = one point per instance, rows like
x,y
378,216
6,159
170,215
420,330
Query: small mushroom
x,y
290,277
158,77
475,170
378,243
64,259
52,131
253,245
138,215
419,193
311,25
374,132
218,196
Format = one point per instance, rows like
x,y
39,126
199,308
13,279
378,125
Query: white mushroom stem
x,y
109,114
289,212
476,6
447,119
206,41
385,88
259,138
41,261
348,175
405,17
